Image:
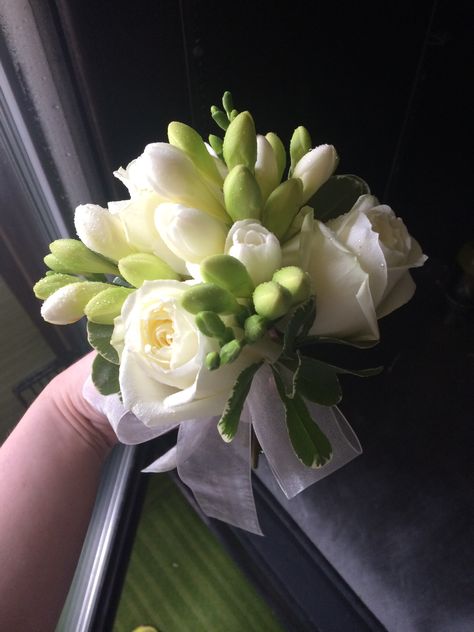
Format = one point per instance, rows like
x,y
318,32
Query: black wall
x,y
386,83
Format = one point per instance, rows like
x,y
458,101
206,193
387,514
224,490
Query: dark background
x,y
386,83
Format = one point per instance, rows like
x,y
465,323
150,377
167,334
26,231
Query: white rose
x,y
162,374
358,265
256,247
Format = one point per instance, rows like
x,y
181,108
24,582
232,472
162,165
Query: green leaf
x,y
376,370
299,324
99,338
105,376
310,444
337,196
229,422
313,340
317,381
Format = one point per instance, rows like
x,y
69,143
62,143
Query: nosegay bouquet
x,y
203,290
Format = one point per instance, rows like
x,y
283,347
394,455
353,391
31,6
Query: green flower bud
x,y
229,273
210,324
209,297
67,304
242,315
231,351
296,281
271,300
52,282
300,144
107,305
255,327
213,361
55,265
219,117
279,151
297,223
240,142
282,206
73,255
228,103
143,266
227,336
242,196
216,143
189,141
233,114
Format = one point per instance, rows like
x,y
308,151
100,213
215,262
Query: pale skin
x,y
50,468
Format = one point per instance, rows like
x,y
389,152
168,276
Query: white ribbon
x,y
219,473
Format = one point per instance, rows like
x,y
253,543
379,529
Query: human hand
x,y
65,392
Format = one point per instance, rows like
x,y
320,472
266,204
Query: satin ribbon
x,y
219,473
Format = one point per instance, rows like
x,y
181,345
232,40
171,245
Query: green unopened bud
x,y
210,324
213,361
231,351
300,144
242,196
229,273
271,300
279,151
216,143
107,305
52,282
209,297
233,114
219,117
55,265
242,315
240,142
228,103
188,140
282,206
255,327
67,304
227,336
297,223
143,266
76,257
296,281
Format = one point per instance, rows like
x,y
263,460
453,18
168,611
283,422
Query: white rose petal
x,y
256,247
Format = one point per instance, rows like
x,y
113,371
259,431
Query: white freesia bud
x,y
256,247
315,168
67,304
189,233
134,177
101,231
174,177
266,167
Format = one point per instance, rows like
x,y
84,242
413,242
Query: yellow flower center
x,y
157,331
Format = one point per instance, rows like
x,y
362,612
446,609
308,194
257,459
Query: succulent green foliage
x,y
337,196
99,337
105,376
229,273
229,421
209,297
309,443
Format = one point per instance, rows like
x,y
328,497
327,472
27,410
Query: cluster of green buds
x,y
80,282
229,308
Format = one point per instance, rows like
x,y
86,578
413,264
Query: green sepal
x,y
105,376
309,443
99,339
229,422
299,324
337,196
